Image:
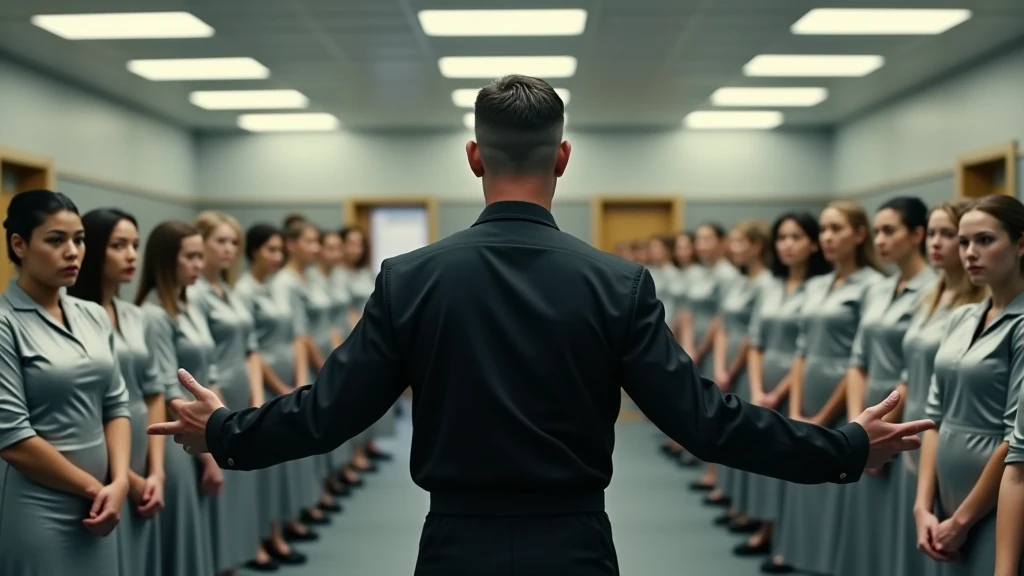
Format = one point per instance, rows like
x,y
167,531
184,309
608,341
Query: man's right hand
x,y
887,440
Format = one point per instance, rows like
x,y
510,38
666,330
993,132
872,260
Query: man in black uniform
x,y
517,339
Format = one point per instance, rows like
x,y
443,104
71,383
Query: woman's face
x,y
893,240
122,253
221,247
656,252
270,255
708,244
943,242
838,239
306,247
353,247
332,250
793,245
989,255
741,249
52,255
683,250
190,259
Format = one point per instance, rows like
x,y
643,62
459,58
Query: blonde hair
x,y
757,232
208,221
965,292
857,218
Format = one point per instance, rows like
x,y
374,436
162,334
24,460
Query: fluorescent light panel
x,y
769,96
495,66
466,97
288,122
556,22
879,21
738,120
121,26
248,99
804,65
199,69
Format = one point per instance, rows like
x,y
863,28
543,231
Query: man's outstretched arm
x,y
668,389
359,383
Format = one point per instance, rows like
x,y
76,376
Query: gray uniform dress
x,y
704,297
677,292
336,289
808,532
182,341
973,400
292,291
138,537
236,526
59,385
919,347
664,280
737,308
279,488
360,286
773,331
866,540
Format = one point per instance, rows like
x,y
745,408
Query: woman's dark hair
x,y
28,210
913,214
160,265
1008,211
672,250
347,231
294,231
99,225
256,236
292,219
714,227
816,263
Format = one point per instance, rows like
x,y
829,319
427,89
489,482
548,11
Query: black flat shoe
x,y
698,486
335,508
769,567
269,566
378,455
724,501
723,520
371,468
745,549
308,518
745,528
339,489
293,558
293,536
352,483
688,461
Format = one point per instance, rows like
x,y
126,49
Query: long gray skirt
x,y
185,537
41,531
735,483
138,543
765,495
275,499
979,551
808,531
305,482
235,521
868,527
907,559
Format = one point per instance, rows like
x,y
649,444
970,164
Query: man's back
x,y
510,334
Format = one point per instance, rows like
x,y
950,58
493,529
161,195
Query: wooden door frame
x,y
352,206
1006,152
599,205
28,160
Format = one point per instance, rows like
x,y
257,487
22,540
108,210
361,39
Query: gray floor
x,y
660,527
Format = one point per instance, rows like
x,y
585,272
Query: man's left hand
x,y
189,429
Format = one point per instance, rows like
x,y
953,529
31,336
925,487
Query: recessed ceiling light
x,y
556,22
466,97
120,26
812,65
878,21
495,66
739,120
248,99
296,122
769,96
199,69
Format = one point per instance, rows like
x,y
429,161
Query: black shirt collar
x,y
517,210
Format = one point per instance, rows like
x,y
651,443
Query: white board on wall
x,y
396,231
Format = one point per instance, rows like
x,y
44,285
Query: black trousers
x,y
556,545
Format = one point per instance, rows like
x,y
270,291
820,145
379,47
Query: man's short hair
x,y
519,122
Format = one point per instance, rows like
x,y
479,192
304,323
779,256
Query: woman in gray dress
x,y
952,290
974,394
684,259
277,345
868,533
111,258
64,421
236,528
772,336
177,336
356,265
663,272
310,308
707,287
808,528
750,249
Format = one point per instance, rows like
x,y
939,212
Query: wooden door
x,y
618,220
19,172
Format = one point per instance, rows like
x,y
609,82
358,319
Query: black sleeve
x,y
665,384
358,384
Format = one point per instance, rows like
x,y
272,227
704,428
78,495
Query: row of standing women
x,y
83,489
804,319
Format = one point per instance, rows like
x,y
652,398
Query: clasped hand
x,y
105,513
